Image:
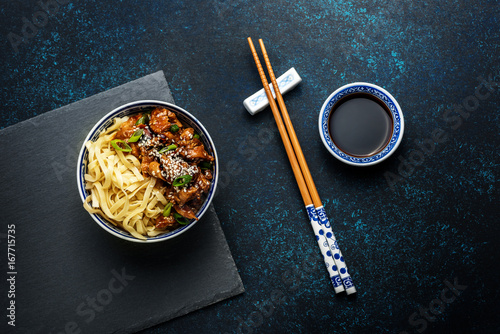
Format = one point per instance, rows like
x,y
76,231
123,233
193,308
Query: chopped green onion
x,y
182,180
197,136
168,148
205,165
174,128
180,219
135,137
126,148
143,120
167,209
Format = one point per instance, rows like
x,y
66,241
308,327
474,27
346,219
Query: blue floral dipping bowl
x,y
361,124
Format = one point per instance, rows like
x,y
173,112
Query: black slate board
x,y
70,274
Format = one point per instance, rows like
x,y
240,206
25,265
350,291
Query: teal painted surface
x,y
427,215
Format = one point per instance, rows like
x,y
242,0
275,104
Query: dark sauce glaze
x,y
360,125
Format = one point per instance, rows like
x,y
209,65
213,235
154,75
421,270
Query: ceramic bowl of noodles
x,y
147,171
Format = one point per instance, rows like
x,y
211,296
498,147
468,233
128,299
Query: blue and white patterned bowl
x,y
381,94
129,109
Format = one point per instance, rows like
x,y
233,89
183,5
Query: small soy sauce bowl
x,y
361,124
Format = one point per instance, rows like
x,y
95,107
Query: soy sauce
x,y
360,125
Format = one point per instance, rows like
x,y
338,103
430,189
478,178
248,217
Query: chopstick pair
x,y
327,242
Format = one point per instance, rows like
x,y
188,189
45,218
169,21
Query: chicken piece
x,y
187,134
185,195
128,128
185,211
144,151
136,150
173,166
197,152
170,137
184,137
159,120
203,182
162,119
163,223
146,160
173,119
208,174
155,170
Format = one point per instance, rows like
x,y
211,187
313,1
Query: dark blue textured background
x,y
438,221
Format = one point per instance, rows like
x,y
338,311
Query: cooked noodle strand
x,y
118,190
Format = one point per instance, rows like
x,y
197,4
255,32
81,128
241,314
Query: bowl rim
x,y
104,123
382,94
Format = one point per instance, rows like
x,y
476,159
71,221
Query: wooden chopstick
x,y
315,222
291,132
332,242
284,135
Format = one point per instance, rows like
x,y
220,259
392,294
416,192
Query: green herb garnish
x,y
135,137
167,209
143,120
174,128
125,148
180,219
182,180
168,148
205,165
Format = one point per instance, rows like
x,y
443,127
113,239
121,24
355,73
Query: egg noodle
x,y
118,190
